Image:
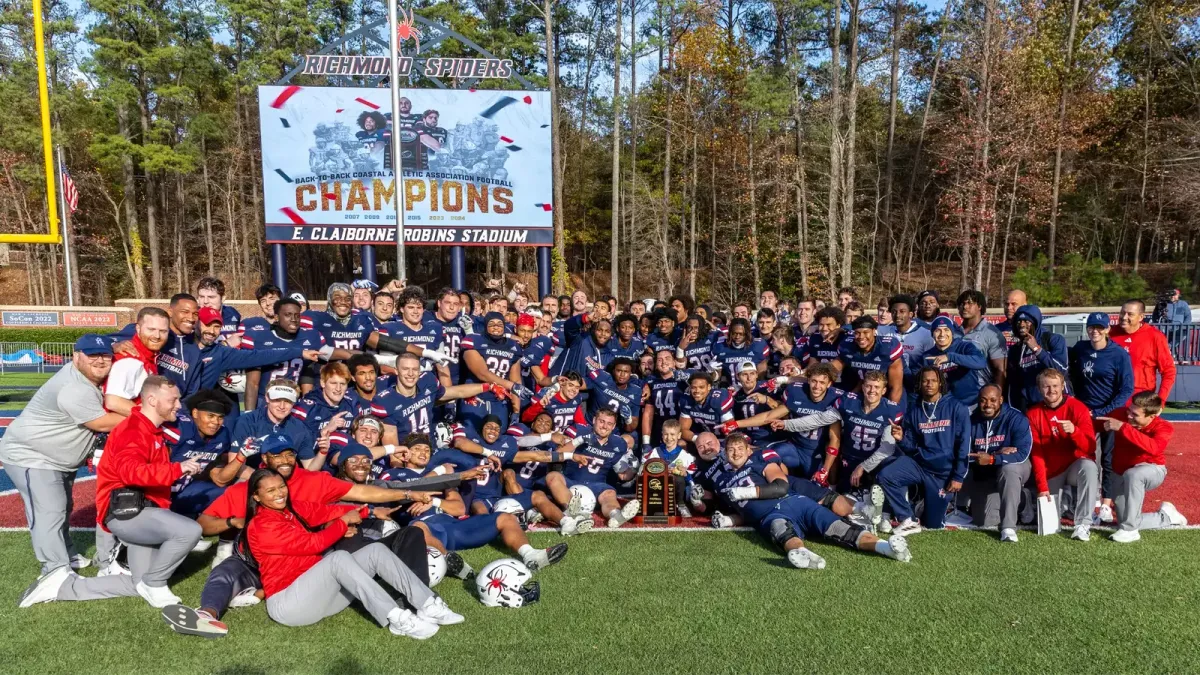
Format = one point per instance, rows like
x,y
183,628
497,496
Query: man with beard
x,y
1012,302
123,387
625,342
366,383
339,325
825,345
584,345
913,337
696,344
705,408
617,389
972,306
177,358
1000,450
492,358
929,307
739,347
934,442
1036,350
867,351
1064,449
383,310
588,459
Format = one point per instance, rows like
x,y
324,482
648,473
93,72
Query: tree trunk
x,y
848,184
633,136
556,143
893,97
753,214
692,201
801,191
156,276
131,215
835,144
937,64
1062,130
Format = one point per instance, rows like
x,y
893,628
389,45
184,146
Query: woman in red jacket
x,y
1140,465
304,586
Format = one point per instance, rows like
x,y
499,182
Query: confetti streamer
x,y
496,107
367,103
331,195
284,96
506,139
339,110
513,148
283,175
528,99
285,123
292,215
545,125
544,207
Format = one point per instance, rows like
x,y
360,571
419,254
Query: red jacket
x,y
303,486
1140,446
1150,354
135,456
1053,449
285,548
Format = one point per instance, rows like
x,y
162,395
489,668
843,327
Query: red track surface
x,y
1181,488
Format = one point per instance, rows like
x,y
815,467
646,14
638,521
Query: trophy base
x,y
662,521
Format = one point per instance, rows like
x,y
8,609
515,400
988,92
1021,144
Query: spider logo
x,y
405,29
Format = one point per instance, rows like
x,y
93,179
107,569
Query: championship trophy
x,y
656,490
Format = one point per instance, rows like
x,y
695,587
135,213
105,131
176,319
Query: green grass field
x,y
700,601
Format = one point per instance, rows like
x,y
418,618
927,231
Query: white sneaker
x,y
404,622
1082,532
877,499
79,561
202,546
247,598
114,568
435,611
568,526
1173,515
158,596
533,517
46,588
898,546
224,550
683,511
908,528
1106,515
802,558
958,519
1125,536
628,511
885,524
1008,534
574,506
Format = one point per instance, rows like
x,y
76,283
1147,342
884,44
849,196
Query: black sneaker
x,y
557,552
457,567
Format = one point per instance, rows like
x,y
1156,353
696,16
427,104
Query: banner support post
x,y
544,272
279,267
367,253
458,267
397,157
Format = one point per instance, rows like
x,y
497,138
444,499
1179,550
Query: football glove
x,y
695,493
821,477
721,521
727,428
438,357
775,383
740,493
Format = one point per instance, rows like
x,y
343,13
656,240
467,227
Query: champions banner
x,y
476,164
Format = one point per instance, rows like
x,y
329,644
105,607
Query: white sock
x,y
883,548
615,513
525,550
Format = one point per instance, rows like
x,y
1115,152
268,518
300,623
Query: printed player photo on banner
x,y
477,165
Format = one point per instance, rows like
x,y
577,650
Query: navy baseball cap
x,y
273,444
928,293
1098,319
93,344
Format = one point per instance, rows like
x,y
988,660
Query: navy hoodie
x,y
1009,429
938,437
1024,365
1101,378
966,371
579,349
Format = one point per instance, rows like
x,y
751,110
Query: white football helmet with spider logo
x,y
437,566
505,583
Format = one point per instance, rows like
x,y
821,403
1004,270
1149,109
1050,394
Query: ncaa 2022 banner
x,y
476,165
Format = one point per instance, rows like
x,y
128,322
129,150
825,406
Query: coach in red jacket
x,y
158,540
1064,448
1139,465
1148,350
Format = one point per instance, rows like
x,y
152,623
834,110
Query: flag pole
x,y
397,157
66,233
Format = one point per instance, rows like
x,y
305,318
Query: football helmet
x,y
437,566
505,583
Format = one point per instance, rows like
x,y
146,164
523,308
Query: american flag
x,y
70,193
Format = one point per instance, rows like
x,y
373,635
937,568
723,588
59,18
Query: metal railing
x,y
31,357
1184,338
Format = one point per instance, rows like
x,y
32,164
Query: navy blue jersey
x,y
775,358
732,358
821,350
666,395
253,324
219,358
658,343
700,353
528,474
428,334
604,453
744,407
488,484
351,334
861,430
409,414
404,473
856,363
452,337
799,401
315,411
565,411
536,353
498,355
231,321
257,423
603,392
271,339
632,351
721,475
185,442
708,414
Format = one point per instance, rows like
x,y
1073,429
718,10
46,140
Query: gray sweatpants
x,y
47,496
158,541
1085,476
1129,491
996,500
341,578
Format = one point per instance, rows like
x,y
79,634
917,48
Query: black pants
x,y
407,543
1106,440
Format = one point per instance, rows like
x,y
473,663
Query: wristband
x,y
831,451
567,455
546,438
555,457
679,353
322,452
229,523
237,457
436,502
577,442
488,453
440,471
389,448
646,439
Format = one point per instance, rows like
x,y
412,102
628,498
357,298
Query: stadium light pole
x,y
397,158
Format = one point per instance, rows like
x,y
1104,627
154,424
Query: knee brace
x,y
828,499
845,533
781,531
